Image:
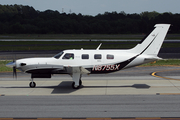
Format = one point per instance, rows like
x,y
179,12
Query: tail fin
x,y
153,42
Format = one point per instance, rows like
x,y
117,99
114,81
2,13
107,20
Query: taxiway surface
x,y
128,93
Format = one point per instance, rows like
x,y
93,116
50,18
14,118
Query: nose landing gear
x,y
32,84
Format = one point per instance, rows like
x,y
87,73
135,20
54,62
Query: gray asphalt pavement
x,y
128,93
109,106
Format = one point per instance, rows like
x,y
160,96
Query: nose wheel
x,y
32,84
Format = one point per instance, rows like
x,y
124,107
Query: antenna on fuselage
x,y
99,46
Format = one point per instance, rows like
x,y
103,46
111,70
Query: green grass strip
x,y
3,67
164,62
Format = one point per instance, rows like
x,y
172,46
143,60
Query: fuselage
x,y
95,61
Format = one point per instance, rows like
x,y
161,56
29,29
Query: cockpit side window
x,y
58,55
69,56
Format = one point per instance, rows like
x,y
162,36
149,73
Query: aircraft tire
x,y
75,87
32,84
80,82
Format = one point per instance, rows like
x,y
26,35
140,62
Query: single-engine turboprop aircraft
x,y
78,62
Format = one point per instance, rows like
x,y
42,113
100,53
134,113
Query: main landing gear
x,y
77,86
32,84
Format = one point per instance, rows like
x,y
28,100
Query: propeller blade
x,y
14,67
14,72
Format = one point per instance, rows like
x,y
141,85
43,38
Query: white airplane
x,y
78,62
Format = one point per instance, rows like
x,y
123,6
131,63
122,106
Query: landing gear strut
x,y
32,84
76,87
76,76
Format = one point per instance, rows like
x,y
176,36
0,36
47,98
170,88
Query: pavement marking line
x,y
115,118
168,93
154,74
173,118
98,118
6,118
73,118
158,118
24,118
123,118
49,119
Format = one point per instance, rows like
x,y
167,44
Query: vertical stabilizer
x,y
153,42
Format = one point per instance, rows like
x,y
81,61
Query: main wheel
x,y
75,87
32,84
80,82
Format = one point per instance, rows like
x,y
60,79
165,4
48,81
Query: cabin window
x,y
68,56
85,56
110,56
97,56
58,55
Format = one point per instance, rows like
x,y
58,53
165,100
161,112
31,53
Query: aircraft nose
x,y
11,64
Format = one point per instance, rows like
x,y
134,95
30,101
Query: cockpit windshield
x,y
58,55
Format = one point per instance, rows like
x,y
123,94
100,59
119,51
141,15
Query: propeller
x,y
14,72
13,65
14,69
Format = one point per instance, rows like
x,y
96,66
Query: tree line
x,y
19,19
